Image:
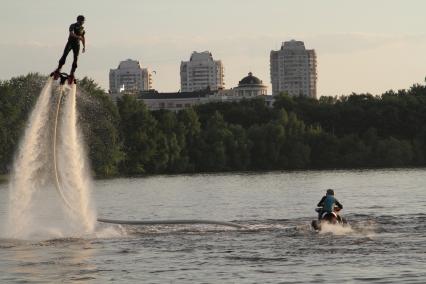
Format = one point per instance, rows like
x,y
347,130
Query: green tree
x,y
213,145
17,98
189,128
140,137
172,142
267,141
391,152
238,148
100,121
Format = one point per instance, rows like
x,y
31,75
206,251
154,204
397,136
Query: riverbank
x,y
356,131
4,178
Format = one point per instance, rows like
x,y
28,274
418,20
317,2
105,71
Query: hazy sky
x,y
362,46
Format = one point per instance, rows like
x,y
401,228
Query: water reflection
x,y
52,260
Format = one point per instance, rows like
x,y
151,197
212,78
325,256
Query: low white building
x,y
249,87
129,77
173,101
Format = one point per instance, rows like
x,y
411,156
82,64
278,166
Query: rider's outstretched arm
x,y
83,41
321,203
338,204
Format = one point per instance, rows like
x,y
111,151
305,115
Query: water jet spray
x,y
61,163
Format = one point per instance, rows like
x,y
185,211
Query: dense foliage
x,y
297,133
100,120
98,116
17,97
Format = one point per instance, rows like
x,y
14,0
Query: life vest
x,y
329,203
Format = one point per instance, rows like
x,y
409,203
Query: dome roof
x,y
250,80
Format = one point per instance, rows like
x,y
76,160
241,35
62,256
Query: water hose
x,y
55,162
121,222
171,222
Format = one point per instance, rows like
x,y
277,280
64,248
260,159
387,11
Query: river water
x,y
386,240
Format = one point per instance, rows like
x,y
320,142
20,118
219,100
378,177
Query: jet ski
x,y
328,217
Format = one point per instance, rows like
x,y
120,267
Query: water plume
x,y
49,190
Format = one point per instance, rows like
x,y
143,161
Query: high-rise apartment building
x,y
129,77
201,72
294,70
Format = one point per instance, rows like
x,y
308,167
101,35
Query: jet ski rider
x,y
327,203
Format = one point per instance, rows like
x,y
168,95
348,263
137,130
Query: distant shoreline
x,y
4,178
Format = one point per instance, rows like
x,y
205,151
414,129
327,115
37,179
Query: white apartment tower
x,y
129,77
201,72
294,70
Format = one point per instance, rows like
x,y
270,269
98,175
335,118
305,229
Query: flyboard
x,y
63,78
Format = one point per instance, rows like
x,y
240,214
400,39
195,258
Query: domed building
x,y
250,86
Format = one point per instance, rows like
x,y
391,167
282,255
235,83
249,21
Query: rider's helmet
x,y
80,18
330,192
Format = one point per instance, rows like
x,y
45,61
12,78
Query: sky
x,y
362,46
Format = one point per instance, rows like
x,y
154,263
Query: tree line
x,y
355,131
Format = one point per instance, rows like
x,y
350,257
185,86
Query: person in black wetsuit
x,y
75,36
328,202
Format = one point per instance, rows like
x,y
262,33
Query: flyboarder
x,y
75,36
